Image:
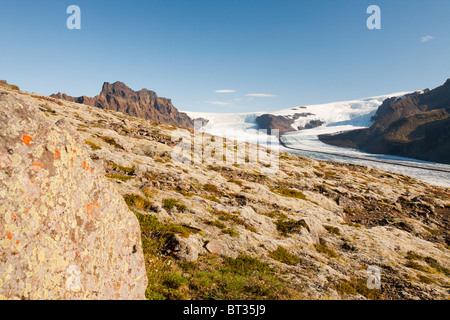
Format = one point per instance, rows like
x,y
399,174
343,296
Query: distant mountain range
x,y
416,125
142,104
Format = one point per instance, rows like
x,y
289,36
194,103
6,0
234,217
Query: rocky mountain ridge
x,y
415,126
143,104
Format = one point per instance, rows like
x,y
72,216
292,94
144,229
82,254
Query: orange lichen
x,y
26,139
93,209
57,154
36,166
10,235
13,216
85,165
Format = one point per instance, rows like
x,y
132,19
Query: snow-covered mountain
x,y
336,117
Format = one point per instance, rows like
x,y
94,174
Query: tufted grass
x,y
290,226
171,203
358,286
283,255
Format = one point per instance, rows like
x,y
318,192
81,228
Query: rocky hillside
x,y
217,225
415,126
143,104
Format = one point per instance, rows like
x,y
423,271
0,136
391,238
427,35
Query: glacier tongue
x,y
336,117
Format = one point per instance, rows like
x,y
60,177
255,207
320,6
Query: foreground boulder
x,y
65,233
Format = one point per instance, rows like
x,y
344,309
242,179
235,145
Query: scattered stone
x,y
185,249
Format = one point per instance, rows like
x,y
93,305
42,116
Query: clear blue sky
x,y
299,52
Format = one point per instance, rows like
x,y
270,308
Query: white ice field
x,y
336,116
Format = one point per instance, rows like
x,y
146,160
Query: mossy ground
x,y
211,277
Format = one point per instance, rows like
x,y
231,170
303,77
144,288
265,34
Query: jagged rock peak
x,y
142,104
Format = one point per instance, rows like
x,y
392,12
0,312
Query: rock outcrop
x,y
415,126
284,124
65,232
143,104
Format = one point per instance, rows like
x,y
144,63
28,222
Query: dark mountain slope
x,y
142,104
415,126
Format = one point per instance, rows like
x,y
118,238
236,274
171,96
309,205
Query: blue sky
x,y
270,54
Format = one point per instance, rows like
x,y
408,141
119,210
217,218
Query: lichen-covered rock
x,y
65,232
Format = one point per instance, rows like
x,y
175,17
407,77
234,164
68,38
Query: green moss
x,y
231,232
424,279
136,201
432,231
331,229
216,223
349,210
416,266
411,256
226,216
435,265
46,108
210,188
128,170
283,255
93,146
175,280
322,247
165,281
238,182
119,177
352,224
274,214
243,278
290,193
358,286
150,224
170,203
291,226
111,141
212,198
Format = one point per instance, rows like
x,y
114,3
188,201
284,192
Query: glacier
x,y
336,117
